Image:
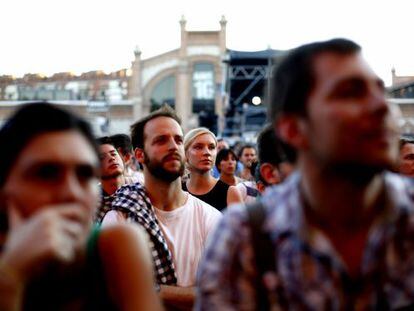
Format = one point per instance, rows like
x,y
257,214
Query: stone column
x,y
184,38
183,104
393,75
219,76
183,100
134,85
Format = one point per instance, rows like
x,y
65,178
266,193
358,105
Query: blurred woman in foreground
x,y
52,258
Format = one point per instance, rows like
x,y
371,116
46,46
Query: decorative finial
x,y
223,21
137,51
182,21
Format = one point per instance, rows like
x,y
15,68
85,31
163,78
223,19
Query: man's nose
x,y
378,103
112,157
172,145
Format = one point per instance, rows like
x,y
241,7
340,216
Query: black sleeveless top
x,y
216,197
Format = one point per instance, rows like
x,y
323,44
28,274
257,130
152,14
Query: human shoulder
x,y
116,231
400,190
234,196
221,184
241,187
123,239
128,267
130,196
202,214
288,187
200,205
131,187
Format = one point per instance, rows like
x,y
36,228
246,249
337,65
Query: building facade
x,y
189,78
201,79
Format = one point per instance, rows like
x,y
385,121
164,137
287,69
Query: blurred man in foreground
x,y
337,234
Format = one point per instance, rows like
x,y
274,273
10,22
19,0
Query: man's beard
x,y
158,171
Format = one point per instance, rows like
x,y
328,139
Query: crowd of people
x,y
315,215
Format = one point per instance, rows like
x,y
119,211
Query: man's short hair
x,y
273,150
137,129
294,77
122,142
223,154
194,133
246,146
31,120
105,140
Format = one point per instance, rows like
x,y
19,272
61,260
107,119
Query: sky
x,y
49,36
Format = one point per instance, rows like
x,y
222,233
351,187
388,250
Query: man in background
x,y
406,162
123,145
247,155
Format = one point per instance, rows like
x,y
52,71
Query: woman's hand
x,y
54,233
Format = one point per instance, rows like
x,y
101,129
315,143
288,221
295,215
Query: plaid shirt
x,y
309,271
104,207
105,203
134,203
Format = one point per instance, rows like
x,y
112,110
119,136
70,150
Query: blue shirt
x,y
309,270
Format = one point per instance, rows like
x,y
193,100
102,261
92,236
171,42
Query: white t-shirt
x,y
186,230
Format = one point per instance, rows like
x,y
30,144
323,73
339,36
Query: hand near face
x,y
54,234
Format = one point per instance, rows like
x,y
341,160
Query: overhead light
x,y
256,100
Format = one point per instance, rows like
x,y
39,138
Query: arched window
x,y
203,88
163,92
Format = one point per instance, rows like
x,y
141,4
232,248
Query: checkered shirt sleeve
x,y
133,201
105,205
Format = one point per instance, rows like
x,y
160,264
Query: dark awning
x,y
237,56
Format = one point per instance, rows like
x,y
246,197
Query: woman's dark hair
x,y
223,154
31,120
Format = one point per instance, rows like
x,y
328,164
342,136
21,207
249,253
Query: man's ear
x,y
293,130
270,173
139,155
127,157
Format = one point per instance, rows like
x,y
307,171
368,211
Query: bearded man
x,y
178,223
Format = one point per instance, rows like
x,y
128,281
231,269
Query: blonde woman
x,y
200,146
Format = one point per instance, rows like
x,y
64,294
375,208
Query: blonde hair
x,y
194,133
